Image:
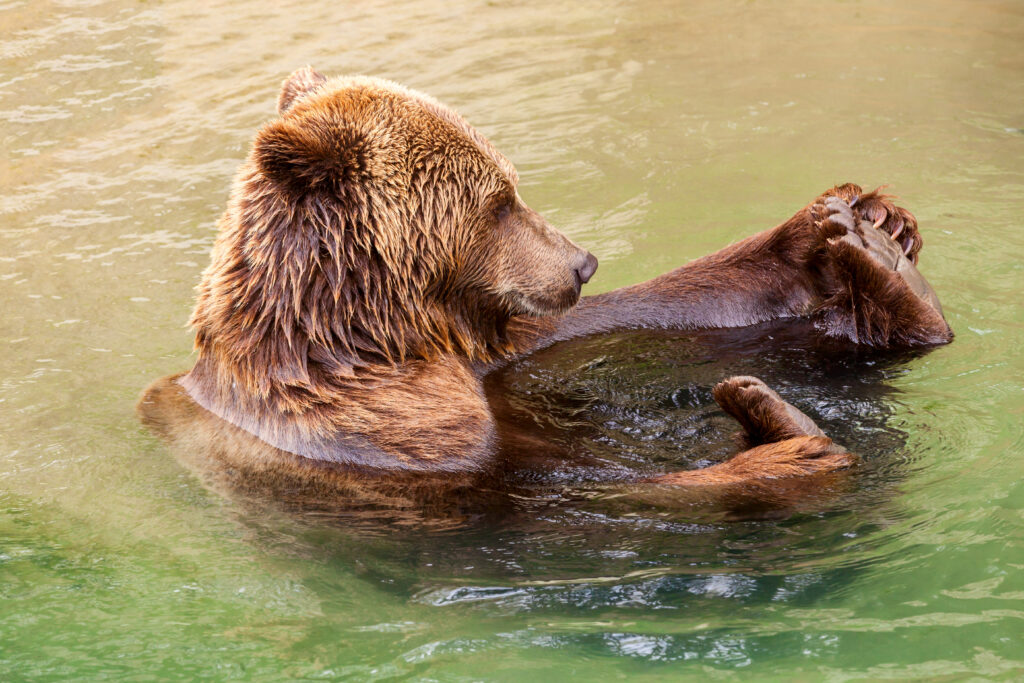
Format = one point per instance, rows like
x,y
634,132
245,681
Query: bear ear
x,y
312,154
297,85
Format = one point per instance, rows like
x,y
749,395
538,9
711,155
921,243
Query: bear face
x,y
510,231
373,225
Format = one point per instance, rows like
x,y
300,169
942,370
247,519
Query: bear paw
x,y
846,202
873,293
784,443
762,413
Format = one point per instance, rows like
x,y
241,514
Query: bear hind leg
x,y
763,414
785,442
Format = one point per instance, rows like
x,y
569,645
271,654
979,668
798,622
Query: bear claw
x,y
873,207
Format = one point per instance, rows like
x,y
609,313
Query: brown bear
x,y
375,262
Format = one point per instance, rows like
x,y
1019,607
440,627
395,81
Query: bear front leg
x,y
846,261
786,442
871,290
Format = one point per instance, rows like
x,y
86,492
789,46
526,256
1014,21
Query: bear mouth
x,y
579,283
544,305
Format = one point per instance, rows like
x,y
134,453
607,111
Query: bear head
x,y
372,225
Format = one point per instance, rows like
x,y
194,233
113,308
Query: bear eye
x,y
502,208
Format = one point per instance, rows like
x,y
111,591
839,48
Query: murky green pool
x,y
651,132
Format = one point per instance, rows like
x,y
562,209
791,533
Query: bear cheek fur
x,y
530,263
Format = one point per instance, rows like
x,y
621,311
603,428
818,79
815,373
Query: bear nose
x,y
587,270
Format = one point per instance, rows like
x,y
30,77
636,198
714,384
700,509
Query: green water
x,y
652,133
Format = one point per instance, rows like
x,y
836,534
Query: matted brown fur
x,y
375,261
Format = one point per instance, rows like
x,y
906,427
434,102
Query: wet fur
x,y
374,263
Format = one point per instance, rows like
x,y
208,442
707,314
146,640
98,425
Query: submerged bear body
x,y
376,263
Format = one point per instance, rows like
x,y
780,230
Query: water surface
x,y
651,132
